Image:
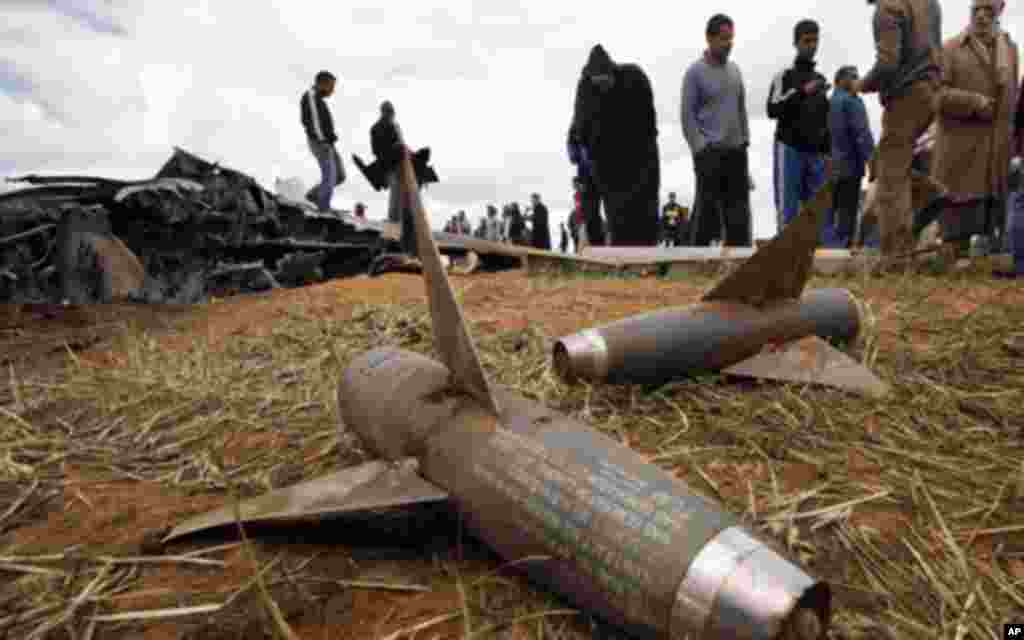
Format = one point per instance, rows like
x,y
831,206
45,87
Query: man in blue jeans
x,y
798,102
319,126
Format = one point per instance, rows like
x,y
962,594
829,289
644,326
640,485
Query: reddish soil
x,y
118,514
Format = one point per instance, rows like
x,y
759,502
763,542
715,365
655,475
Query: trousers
x,y
798,175
723,197
905,119
399,211
332,173
845,205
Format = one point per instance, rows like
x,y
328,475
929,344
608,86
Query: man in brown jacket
x,y
906,73
975,108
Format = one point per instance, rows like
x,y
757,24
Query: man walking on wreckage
x,y
387,143
319,126
906,75
615,122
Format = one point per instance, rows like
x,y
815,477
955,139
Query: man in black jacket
x,y
387,144
319,126
615,120
798,101
541,235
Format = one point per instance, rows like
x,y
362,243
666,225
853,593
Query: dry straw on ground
x,y
911,508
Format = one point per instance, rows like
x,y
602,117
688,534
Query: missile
x,y
754,323
585,516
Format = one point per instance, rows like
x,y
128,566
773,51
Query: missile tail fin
x,y
780,269
373,486
811,360
451,334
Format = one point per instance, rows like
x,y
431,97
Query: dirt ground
x,y
119,516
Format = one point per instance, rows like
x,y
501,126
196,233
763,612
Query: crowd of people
x,y
956,103
523,226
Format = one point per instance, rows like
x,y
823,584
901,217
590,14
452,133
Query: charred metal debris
x,y
195,230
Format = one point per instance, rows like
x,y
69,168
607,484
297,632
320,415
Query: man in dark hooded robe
x,y
614,118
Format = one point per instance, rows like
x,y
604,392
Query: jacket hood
x,y
599,62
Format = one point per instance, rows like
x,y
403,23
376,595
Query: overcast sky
x,y
108,87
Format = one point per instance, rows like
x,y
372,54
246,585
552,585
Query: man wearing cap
x,y
798,102
614,120
906,74
388,145
852,145
975,109
319,126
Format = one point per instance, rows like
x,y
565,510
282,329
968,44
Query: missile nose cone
x,y
740,588
581,355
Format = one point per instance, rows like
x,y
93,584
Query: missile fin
x,y
811,360
368,487
451,334
780,269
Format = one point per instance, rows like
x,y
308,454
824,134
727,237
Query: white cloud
x,y
488,84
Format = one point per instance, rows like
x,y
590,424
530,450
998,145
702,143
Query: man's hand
x,y
987,110
811,87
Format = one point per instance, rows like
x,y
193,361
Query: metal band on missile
x,y
656,347
622,537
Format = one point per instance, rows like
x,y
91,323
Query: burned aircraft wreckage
x,y
196,229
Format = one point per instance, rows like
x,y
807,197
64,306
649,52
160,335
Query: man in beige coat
x,y
975,109
906,73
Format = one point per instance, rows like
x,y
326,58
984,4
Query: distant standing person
x,y
493,225
587,199
387,144
798,102
516,230
906,75
675,222
615,121
541,235
717,130
319,126
464,227
852,146
564,242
